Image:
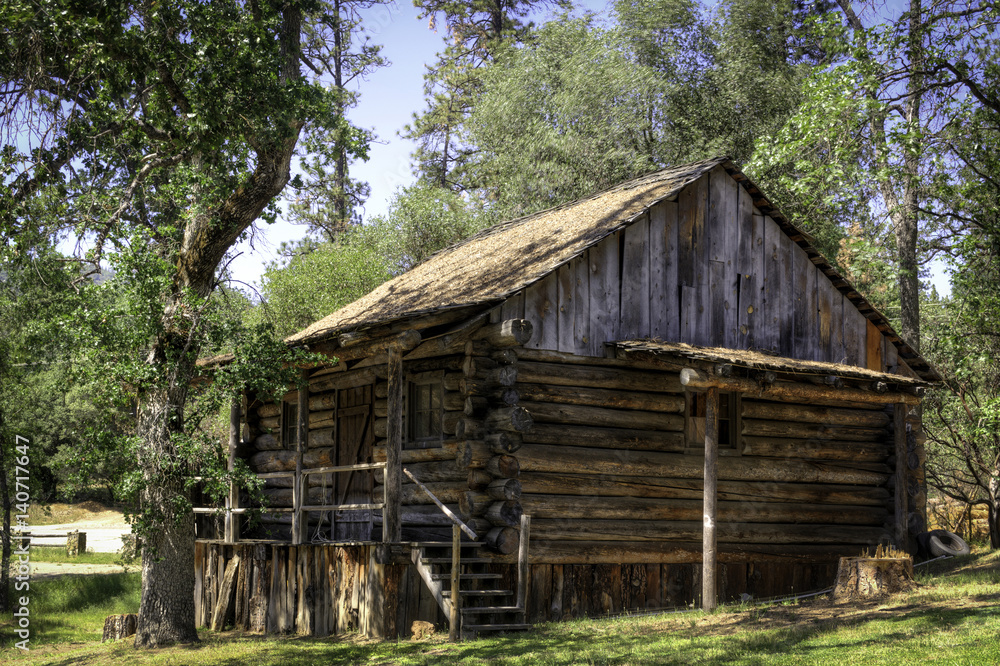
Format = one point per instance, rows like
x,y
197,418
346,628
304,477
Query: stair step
x,y
468,576
478,593
447,560
478,610
479,628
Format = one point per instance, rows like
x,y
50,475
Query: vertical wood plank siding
x,y
707,269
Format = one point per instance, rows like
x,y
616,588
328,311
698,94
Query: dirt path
x,y
48,570
104,531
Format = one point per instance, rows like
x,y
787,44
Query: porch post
x,y
232,524
708,542
392,530
299,488
901,504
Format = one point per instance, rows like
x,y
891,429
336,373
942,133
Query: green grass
x,y
953,618
58,554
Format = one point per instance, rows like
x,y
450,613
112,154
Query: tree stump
x,y
119,626
871,578
76,543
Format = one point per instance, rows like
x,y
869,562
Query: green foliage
x,y
477,31
319,278
578,108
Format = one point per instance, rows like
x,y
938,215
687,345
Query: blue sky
x,y
389,97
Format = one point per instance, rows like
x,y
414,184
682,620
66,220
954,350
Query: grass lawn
x,y
953,618
58,554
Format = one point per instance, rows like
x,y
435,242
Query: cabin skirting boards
x,y
330,589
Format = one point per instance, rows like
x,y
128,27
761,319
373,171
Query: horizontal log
x,y
504,540
476,365
362,344
490,383
587,460
480,526
504,489
322,437
509,419
284,461
504,442
271,423
609,438
470,429
645,508
479,479
505,513
504,356
446,451
476,406
657,552
269,410
595,397
323,401
430,472
734,533
267,442
472,503
322,419
508,333
446,492
531,372
793,430
282,497
808,449
791,391
503,466
380,426
778,411
424,514
547,412
346,379
665,487
381,389
472,454
453,381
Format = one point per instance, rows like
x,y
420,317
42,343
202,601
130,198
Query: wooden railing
x,y
299,491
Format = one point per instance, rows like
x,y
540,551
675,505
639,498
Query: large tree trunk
x,y
166,611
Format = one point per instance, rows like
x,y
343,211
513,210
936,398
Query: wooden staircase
x,y
486,604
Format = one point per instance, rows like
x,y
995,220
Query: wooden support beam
x,y
708,540
392,527
232,525
900,504
454,619
522,563
694,380
509,333
298,487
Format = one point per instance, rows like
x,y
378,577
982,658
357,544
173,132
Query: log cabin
x,y
656,396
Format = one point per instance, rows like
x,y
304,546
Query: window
x,y
425,400
729,429
289,424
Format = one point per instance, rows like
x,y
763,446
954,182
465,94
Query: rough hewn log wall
x,y
802,475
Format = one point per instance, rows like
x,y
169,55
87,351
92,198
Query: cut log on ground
x,y
117,627
870,578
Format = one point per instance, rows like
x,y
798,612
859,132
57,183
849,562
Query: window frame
x,y
730,404
415,382
289,426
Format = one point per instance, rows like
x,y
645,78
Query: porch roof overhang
x,y
776,377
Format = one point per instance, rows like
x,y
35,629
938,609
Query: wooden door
x,y
355,437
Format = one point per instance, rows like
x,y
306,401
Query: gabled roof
x,y
495,263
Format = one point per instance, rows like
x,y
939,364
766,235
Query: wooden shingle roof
x,y
495,263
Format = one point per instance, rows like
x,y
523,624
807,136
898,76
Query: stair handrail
x,y
448,512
